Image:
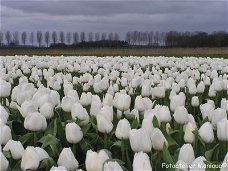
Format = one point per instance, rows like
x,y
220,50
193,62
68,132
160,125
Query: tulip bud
x,y
222,130
112,166
60,168
158,92
67,159
4,163
177,100
3,114
181,115
123,128
122,101
95,105
103,124
27,107
141,162
164,114
5,89
182,166
217,115
67,102
30,159
140,140
108,100
195,101
35,122
186,154
78,112
47,110
224,104
139,105
73,133
198,164
5,135
206,132
16,149
206,110
201,87
158,139
188,133
94,161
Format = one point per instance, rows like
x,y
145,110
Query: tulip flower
x,y
67,159
78,112
47,110
5,135
206,132
222,130
181,115
186,154
5,89
3,114
94,161
73,133
141,162
139,105
177,100
4,162
112,166
59,168
122,101
16,149
158,139
198,164
189,136
140,140
164,114
27,107
103,124
123,128
95,105
35,122
195,101
217,115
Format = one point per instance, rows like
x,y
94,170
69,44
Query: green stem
x,y
34,138
74,149
105,141
122,150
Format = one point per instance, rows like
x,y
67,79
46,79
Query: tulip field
x,y
113,113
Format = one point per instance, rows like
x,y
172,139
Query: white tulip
x,y
94,161
217,115
107,112
206,132
16,149
59,168
189,136
158,92
222,130
78,112
73,133
108,100
27,107
158,139
5,89
35,122
206,110
164,114
181,115
67,159
198,164
112,166
4,163
195,101
5,135
140,140
47,110
177,100
95,105
103,124
3,114
139,105
141,162
123,128
186,154
122,101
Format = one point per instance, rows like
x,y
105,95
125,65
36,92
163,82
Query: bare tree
x,y
150,37
110,36
90,36
62,37
75,37
24,37
1,38
128,37
47,38
97,36
116,36
82,36
16,38
39,37
8,37
68,37
103,36
54,37
32,38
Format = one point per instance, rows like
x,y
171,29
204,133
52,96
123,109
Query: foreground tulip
x,y
141,162
60,168
206,132
67,159
94,161
3,114
73,133
4,163
195,101
140,140
217,115
16,149
181,115
222,130
47,110
31,158
95,105
112,166
198,164
5,135
123,128
139,105
164,114
35,122
78,112
177,100
206,110
27,107
158,139
186,154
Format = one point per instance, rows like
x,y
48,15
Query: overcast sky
x,y
114,16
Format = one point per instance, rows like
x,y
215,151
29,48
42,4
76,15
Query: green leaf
x,y
7,154
135,124
117,144
120,162
129,116
26,138
86,128
166,156
155,122
209,153
52,128
47,163
48,140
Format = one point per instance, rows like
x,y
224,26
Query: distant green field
x,y
179,52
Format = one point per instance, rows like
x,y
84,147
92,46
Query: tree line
x,y
132,38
